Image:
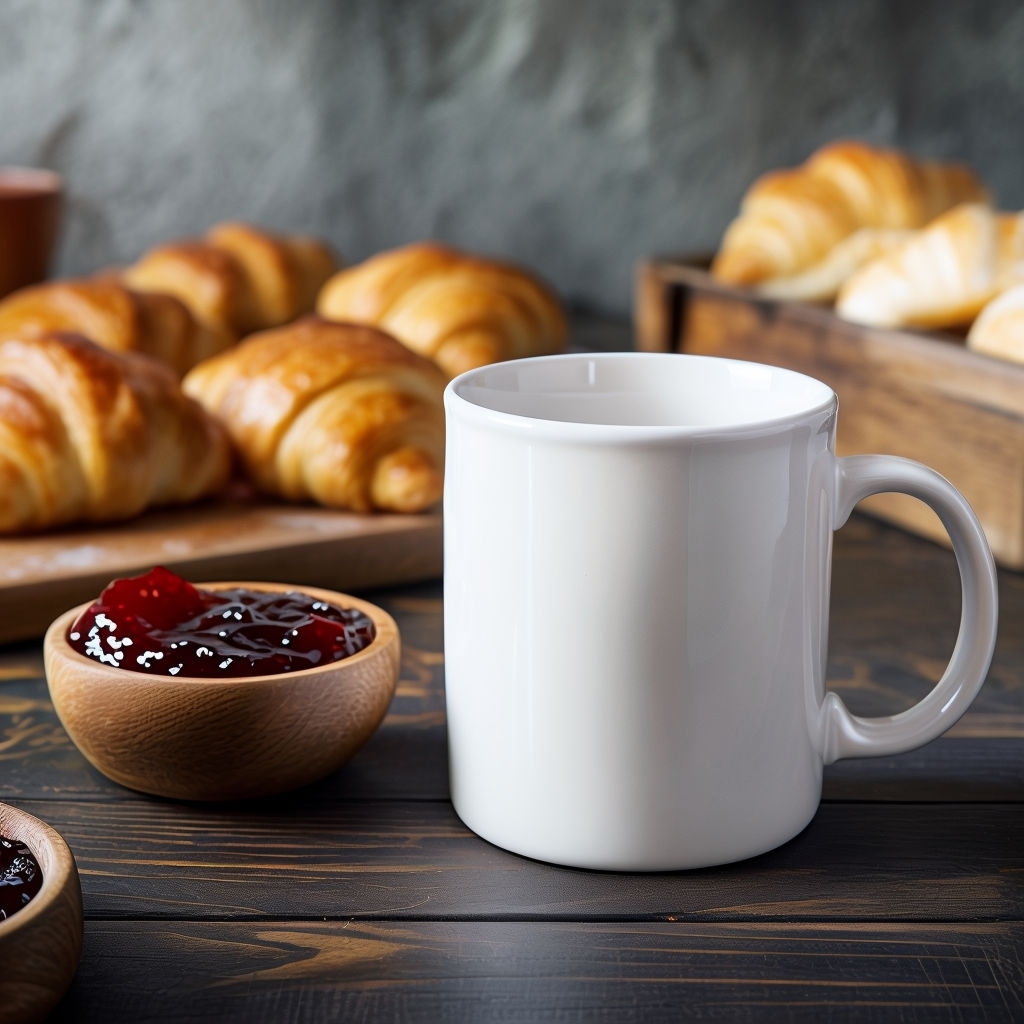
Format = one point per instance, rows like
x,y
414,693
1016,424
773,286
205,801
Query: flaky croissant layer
x,y
941,276
791,219
92,435
238,278
337,413
459,310
116,317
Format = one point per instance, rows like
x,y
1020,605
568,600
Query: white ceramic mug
x,y
637,571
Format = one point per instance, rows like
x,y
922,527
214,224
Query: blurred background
x,y
573,137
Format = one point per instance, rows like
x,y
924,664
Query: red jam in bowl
x,y
20,877
161,624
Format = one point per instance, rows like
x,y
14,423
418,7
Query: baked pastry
x,y
821,281
941,276
791,219
237,277
115,317
341,414
461,311
87,434
999,327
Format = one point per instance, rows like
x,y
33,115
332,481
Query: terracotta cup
x,y
30,205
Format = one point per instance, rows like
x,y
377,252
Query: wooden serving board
x,y
234,539
919,395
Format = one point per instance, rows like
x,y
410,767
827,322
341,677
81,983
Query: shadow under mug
x,y
637,571
30,209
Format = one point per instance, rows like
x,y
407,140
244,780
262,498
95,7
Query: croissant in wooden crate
x,y
341,414
237,277
822,281
789,220
942,275
115,317
459,310
92,435
999,328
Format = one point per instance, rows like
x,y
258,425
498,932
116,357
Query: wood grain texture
x,y
44,575
608,973
879,575
41,943
925,397
415,860
363,897
406,758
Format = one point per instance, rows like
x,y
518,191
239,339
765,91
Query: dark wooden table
x,y
364,898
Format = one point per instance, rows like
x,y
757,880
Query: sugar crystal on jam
x,y
162,624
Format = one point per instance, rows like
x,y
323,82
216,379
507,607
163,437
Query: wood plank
x,y
882,576
923,396
893,621
855,861
243,539
434,972
951,770
407,758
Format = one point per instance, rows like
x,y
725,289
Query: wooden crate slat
x,y
925,397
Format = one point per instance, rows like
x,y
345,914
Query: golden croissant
x,y
942,275
341,414
822,281
237,277
791,219
999,328
92,435
115,317
461,311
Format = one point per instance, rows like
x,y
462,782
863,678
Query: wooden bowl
x,y
41,943
223,739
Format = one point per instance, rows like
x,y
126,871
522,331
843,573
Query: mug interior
x,y
643,389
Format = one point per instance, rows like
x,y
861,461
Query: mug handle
x,y
844,734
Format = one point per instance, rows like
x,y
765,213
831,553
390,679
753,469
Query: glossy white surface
x,y
637,552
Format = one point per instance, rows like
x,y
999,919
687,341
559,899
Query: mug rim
x,y
456,401
32,180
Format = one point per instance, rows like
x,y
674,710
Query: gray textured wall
x,y
572,136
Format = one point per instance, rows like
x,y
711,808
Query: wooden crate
x,y
923,396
